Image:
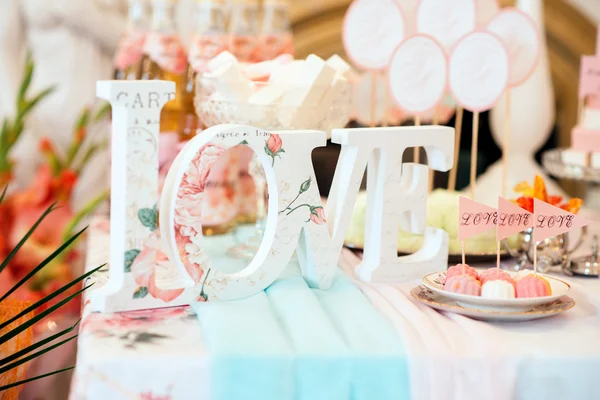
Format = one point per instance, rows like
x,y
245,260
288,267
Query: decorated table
x,y
163,354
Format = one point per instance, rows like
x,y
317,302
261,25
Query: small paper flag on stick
x,y
552,221
512,219
589,78
474,218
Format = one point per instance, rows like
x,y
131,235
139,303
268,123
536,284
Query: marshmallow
x,y
341,67
261,71
270,94
230,83
222,59
307,87
312,83
287,73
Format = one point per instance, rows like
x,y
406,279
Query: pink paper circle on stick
x,y
371,32
417,74
521,37
446,20
478,71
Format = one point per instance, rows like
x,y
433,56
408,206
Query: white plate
x,y
559,289
441,303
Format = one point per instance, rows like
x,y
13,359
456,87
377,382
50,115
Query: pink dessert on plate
x,y
463,284
533,286
495,274
461,269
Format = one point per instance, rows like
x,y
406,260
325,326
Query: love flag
x,y
551,221
474,218
512,219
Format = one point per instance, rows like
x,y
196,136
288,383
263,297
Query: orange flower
x,y
526,203
44,240
539,189
524,188
62,185
554,200
573,206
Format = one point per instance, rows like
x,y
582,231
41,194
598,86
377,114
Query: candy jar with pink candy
x,y
244,30
128,57
208,40
276,36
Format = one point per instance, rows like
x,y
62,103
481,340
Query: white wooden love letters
x,y
296,220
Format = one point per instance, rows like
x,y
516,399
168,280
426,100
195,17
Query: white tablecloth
x,y
454,357
450,356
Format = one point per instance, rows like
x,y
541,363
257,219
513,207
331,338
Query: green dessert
x,y
442,212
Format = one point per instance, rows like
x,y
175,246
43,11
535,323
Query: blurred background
x,y
73,43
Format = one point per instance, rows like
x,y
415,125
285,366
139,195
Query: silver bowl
x,y
551,253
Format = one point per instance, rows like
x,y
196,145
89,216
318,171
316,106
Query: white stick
x,y
417,150
535,258
506,144
498,254
474,146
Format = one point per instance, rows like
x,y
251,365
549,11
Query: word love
x,y
479,218
508,219
140,275
546,221
504,219
551,221
514,219
589,82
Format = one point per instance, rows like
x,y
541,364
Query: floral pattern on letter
x,y
273,147
145,267
317,213
188,209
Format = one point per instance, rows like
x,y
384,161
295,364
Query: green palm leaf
x,y
27,235
9,335
10,132
34,355
39,344
47,261
12,385
3,193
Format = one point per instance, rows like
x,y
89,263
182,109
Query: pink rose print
x,y
190,193
192,255
273,147
188,214
196,176
317,215
98,322
144,269
150,396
